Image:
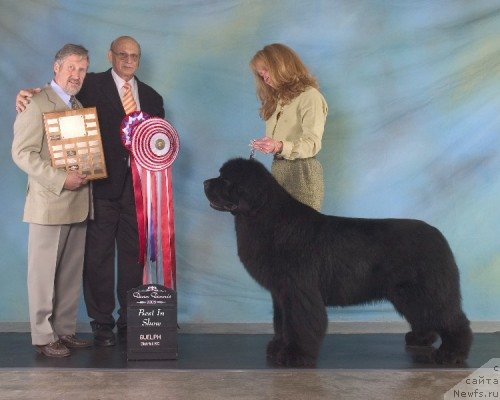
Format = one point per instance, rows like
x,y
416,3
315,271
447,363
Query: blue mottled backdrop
x,y
413,131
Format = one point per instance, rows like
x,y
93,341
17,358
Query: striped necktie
x,y
128,101
74,103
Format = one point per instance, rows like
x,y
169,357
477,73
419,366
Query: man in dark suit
x,y
114,227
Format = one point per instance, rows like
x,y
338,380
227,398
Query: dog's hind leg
x,y
304,323
423,333
456,341
415,309
426,319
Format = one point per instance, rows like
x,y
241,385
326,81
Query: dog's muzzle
x,y
215,200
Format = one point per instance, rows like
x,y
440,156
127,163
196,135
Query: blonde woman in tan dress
x,y
295,114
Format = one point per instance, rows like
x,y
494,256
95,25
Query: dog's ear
x,y
247,209
250,199
247,185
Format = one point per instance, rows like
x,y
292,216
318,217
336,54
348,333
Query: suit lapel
x,y
143,98
54,100
140,91
109,90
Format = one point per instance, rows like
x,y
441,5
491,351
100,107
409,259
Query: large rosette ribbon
x,y
153,144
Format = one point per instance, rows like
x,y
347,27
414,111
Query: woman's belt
x,y
279,157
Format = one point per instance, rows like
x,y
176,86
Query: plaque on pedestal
x,y
151,323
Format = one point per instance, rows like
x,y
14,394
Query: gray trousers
x,y
55,266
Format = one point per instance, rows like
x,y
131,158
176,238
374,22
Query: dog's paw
x,y
274,347
413,339
448,357
421,354
291,356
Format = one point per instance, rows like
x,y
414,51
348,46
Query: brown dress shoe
x,y
72,341
53,349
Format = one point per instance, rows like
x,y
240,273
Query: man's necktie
x,y
74,103
128,101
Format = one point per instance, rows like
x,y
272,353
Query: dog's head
x,y
241,188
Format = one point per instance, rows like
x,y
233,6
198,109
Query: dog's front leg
x,y
276,344
304,323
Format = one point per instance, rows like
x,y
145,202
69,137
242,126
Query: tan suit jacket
x,y
47,202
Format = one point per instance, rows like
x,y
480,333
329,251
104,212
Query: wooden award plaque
x,y
75,143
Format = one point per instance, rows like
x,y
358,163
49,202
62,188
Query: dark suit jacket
x,y
99,90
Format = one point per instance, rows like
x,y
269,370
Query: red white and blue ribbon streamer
x,y
153,144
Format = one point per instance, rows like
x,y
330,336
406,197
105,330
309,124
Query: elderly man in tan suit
x,y
56,208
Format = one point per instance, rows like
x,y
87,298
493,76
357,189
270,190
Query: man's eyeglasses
x,y
124,56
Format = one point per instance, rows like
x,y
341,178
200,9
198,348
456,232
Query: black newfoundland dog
x,y
308,260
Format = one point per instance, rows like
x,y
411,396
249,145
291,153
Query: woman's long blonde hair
x,y
288,74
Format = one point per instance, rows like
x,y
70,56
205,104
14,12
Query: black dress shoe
x,y
72,341
103,335
53,349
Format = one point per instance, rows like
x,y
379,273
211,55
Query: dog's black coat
x,y
308,260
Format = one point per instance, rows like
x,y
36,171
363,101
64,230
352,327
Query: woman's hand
x,y
267,145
